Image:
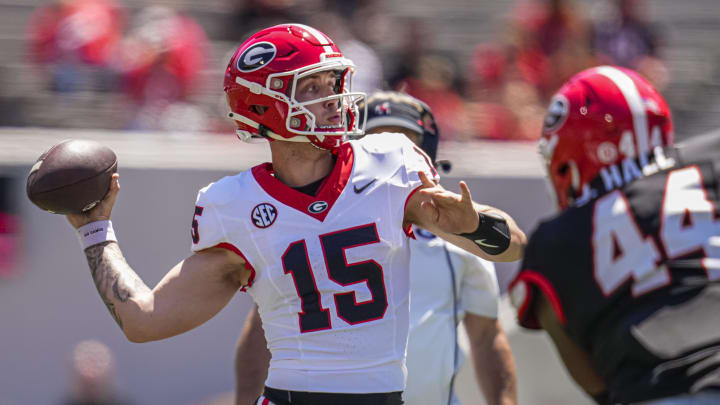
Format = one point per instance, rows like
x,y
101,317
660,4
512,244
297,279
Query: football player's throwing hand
x,y
101,211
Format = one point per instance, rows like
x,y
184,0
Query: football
x,y
71,177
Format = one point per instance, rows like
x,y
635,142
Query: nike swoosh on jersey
x,y
359,190
481,242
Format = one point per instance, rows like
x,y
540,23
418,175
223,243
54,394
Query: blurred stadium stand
x,y
691,32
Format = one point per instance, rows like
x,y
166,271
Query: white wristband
x,y
96,232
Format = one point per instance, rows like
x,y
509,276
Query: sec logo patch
x,y
263,215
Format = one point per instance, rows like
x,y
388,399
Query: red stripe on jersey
x,y
248,266
408,230
427,160
328,192
524,319
543,284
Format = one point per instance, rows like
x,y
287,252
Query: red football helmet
x,y
600,117
261,80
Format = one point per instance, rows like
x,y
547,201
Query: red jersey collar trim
x,y
328,192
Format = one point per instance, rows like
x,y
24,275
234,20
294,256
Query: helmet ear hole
x,y
562,170
258,109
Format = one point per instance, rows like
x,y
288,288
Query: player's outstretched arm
x,y
191,293
492,359
576,359
480,229
252,359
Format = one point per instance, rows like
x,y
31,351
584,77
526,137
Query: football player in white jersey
x,y
447,285
318,237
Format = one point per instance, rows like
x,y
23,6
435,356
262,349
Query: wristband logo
x,y
93,231
481,242
96,232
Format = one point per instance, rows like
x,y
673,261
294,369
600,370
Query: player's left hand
x,y
449,212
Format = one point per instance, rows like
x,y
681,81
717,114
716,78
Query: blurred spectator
x,y
414,43
252,15
622,35
489,117
160,65
430,76
370,21
348,8
9,228
488,69
434,81
13,104
550,40
523,99
67,36
92,368
368,76
501,106
162,56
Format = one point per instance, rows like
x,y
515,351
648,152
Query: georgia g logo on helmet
x,y
557,113
256,56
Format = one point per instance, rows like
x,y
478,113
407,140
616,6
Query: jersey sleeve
x,y
479,287
207,229
416,160
531,281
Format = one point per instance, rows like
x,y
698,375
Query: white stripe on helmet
x,y
632,96
322,38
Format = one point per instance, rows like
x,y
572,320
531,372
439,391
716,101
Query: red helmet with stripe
x,y
600,117
261,80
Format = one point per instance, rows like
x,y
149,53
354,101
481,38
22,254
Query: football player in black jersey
x,y
626,278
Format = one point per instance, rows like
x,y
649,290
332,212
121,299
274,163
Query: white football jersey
x,y
446,282
330,272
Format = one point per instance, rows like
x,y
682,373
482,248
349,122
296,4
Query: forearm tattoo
x,y
115,281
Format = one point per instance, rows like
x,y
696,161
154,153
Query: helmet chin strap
x,y
245,136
